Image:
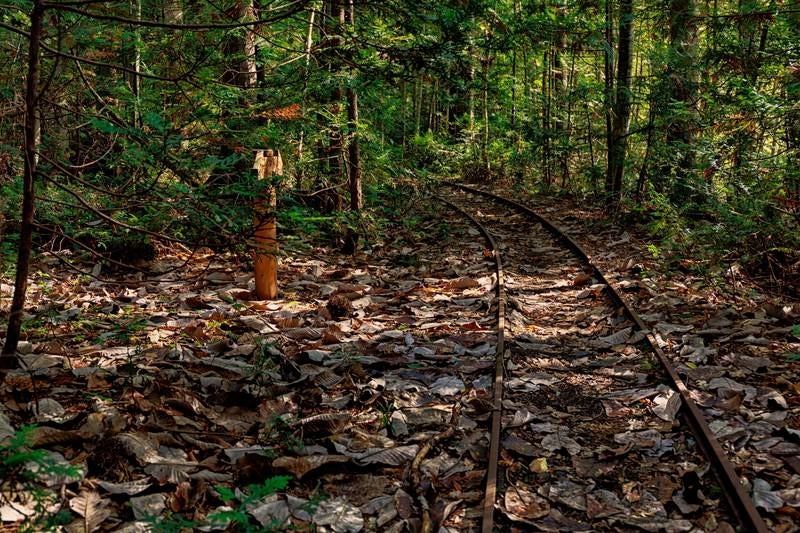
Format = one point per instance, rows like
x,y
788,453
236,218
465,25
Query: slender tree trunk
x,y
433,104
546,103
608,71
485,138
312,12
559,84
791,89
681,81
404,115
569,85
471,101
248,68
334,14
418,105
642,181
590,141
618,140
514,89
136,65
354,150
28,180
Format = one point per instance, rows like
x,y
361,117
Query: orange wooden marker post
x,y
268,163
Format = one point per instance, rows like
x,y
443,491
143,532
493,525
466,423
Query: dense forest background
x,y
130,126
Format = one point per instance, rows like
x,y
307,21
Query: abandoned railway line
x,y
592,428
475,372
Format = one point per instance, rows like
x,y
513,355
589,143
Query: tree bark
x,y
681,81
618,140
248,67
559,84
136,65
354,152
791,83
354,148
28,180
608,73
546,103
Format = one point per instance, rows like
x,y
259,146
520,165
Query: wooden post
x,y
268,163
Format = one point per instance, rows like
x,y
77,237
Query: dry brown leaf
x,y
582,279
389,456
522,503
462,283
93,509
300,466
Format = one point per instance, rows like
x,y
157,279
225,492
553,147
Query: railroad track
x,y
592,428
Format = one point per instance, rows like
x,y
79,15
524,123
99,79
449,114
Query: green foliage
x,y
431,153
236,517
22,469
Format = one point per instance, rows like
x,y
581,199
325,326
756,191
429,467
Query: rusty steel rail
x,y
490,494
741,504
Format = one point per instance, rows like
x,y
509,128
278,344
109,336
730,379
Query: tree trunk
x,y
546,103
248,70
642,181
417,105
28,181
792,121
514,89
608,74
136,65
559,84
681,81
485,137
618,140
354,152
334,18
404,116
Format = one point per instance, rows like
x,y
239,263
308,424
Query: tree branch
x,y
299,5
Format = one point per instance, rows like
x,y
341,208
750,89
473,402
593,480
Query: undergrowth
x,y
710,238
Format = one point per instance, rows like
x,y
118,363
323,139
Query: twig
x,y
416,475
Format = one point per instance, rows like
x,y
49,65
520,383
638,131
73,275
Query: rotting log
x,y
268,163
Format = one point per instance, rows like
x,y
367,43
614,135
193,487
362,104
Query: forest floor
x,y
184,403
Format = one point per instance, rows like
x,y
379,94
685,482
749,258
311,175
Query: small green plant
x,y
233,302
237,518
278,431
654,251
265,357
796,331
238,515
22,469
647,364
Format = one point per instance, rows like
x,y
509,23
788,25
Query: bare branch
x,y
295,7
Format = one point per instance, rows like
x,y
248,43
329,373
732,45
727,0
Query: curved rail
x,y
739,500
487,520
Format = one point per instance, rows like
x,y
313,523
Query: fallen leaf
x,y
666,404
765,497
300,466
93,509
339,515
521,502
559,440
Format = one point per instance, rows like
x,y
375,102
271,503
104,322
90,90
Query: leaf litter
x,y
160,391
163,390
